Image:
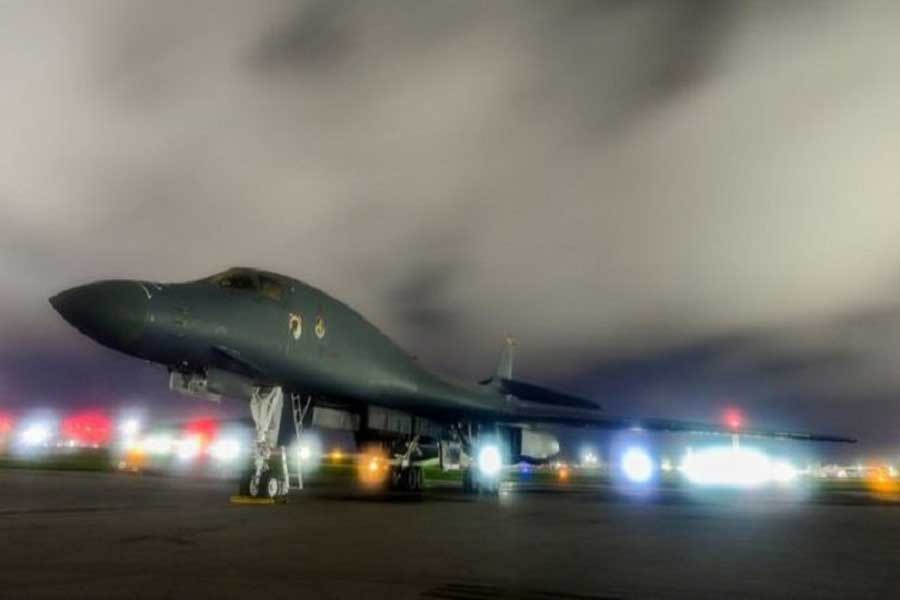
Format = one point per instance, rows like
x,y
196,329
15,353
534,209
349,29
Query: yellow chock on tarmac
x,y
254,501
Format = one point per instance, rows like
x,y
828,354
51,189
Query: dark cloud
x,y
318,36
668,203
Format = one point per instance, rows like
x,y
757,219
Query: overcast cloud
x,y
669,204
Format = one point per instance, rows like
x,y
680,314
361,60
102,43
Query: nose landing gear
x,y
262,480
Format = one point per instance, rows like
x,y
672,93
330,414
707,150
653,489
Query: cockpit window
x,y
271,288
249,280
236,279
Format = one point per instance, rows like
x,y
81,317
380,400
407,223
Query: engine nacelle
x,y
539,445
532,444
212,385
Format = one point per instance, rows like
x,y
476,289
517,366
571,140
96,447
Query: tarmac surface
x,y
98,535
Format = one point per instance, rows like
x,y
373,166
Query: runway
x,y
70,534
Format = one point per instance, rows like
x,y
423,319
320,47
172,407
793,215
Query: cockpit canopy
x,y
243,279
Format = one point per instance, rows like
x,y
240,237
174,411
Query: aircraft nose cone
x,y
112,312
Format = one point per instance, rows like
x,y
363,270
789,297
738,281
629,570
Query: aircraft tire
x,y
470,484
395,479
271,486
409,479
244,482
489,488
254,488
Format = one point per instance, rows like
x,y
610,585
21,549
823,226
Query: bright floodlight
x,y
305,452
158,444
189,448
308,448
637,465
225,450
489,461
738,467
130,427
36,435
783,472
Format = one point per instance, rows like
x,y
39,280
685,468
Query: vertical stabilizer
x,y
505,366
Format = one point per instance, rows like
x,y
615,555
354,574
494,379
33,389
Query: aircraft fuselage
x,y
274,330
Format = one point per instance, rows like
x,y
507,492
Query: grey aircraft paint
x,y
275,330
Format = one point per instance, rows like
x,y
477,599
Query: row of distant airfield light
x,y
80,429
721,466
716,465
731,465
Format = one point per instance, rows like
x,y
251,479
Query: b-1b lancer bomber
x,y
263,337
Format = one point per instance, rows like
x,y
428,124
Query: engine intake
x,y
212,385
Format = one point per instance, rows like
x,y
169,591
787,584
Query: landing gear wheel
x,y
244,482
273,486
267,486
255,487
470,483
409,479
395,479
420,478
490,487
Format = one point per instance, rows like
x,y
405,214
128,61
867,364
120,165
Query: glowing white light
x,y
739,467
130,427
637,465
36,435
782,472
308,449
489,460
159,444
304,452
188,448
225,450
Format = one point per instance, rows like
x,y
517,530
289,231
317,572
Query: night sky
x,y
674,206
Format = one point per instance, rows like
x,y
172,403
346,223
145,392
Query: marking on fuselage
x,y
320,327
146,291
295,325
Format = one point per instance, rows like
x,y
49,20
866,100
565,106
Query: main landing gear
x,y
409,479
404,475
264,478
476,483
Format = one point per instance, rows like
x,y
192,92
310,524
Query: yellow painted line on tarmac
x,y
251,501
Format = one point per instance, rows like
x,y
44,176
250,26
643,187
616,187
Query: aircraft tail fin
x,y
505,366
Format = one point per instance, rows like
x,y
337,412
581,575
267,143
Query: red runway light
x,y
733,418
204,430
6,423
87,428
